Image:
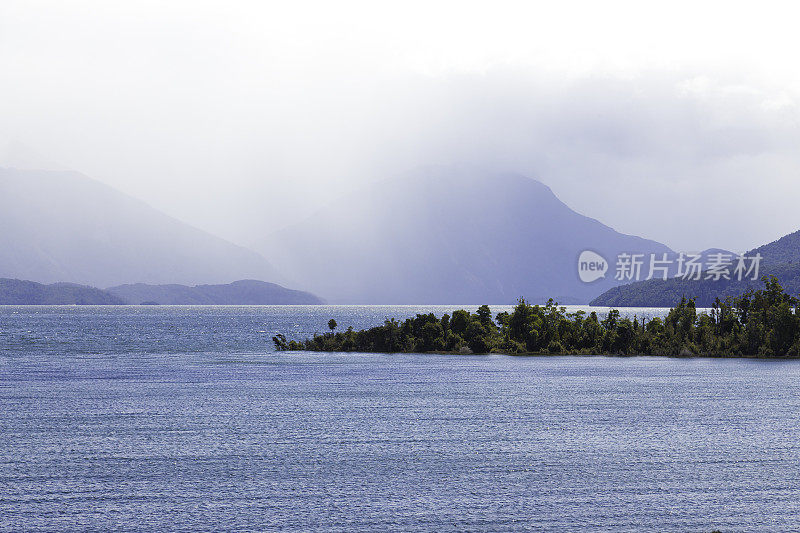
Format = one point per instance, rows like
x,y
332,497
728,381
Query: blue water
x,y
181,418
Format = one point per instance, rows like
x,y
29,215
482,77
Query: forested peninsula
x,y
758,323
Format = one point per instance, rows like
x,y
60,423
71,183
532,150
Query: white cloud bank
x,y
679,123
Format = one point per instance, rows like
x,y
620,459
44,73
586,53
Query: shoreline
x,y
552,355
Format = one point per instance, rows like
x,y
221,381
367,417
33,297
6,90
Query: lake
x,y
184,418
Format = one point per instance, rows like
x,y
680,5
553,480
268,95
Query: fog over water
x,y
677,124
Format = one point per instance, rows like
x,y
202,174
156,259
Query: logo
x,y
631,267
591,266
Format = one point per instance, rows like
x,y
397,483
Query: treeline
x,y
761,323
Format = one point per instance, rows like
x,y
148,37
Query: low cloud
x,y
243,121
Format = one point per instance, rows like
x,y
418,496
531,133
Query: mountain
x,y
244,292
20,292
65,226
448,235
781,259
784,251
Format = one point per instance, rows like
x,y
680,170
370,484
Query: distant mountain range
x,y
435,235
244,292
781,258
448,235
21,292
64,226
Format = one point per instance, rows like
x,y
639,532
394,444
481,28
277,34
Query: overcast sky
x,y
678,122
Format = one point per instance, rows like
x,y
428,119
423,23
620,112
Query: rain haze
x,y
399,266
674,122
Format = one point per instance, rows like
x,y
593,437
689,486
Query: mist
x,y
242,119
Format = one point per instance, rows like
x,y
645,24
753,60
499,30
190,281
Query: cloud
x,y
710,166
242,117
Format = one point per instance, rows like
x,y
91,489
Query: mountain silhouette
x,y
63,226
780,258
448,235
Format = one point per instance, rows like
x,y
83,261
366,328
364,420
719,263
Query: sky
x,y
675,121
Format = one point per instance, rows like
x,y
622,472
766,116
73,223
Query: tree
x,y
332,324
476,337
280,342
485,316
460,321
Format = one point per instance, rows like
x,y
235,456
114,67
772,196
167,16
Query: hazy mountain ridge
x,y
243,292
781,258
448,235
22,292
64,226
